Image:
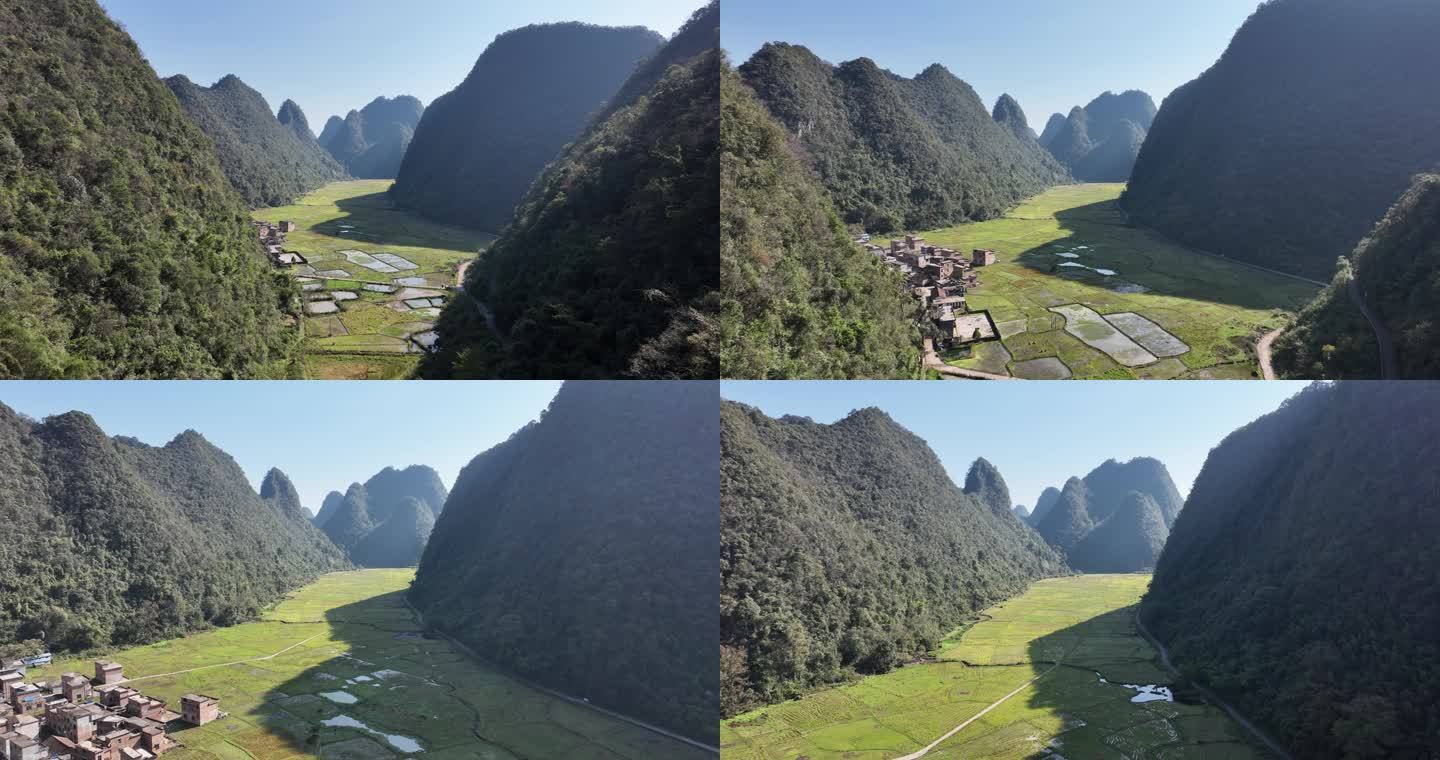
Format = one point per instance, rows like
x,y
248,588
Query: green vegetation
x,y
386,521
1217,308
480,147
609,268
1396,270
1060,633
581,552
847,549
1115,520
1299,582
798,298
1099,143
368,339
371,142
270,676
1289,149
267,161
120,543
898,153
124,252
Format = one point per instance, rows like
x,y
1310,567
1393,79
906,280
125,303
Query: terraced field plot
x,y
1067,634
355,679
368,262
1070,246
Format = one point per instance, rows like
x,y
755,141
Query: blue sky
x,y
325,436
1040,434
1051,55
331,57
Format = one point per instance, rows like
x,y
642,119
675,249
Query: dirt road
x,y
1262,351
1389,363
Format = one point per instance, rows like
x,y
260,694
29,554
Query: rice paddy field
x,y
376,280
339,670
1077,285
1058,672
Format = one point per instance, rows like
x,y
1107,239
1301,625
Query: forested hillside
x,y
846,548
1115,520
1299,582
798,298
386,521
609,268
1292,146
1052,128
897,153
124,252
533,90
372,142
581,553
110,542
268,161
1397,270
1099,143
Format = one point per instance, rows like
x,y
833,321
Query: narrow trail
x,y
1262,351
1214,699
484,310
224,664
1389,364
932,361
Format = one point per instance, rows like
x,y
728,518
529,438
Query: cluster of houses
x,y
79,718
272,236
939,278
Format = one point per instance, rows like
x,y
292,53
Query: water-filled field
x,y
367,253
352,677
1058,672
1072,246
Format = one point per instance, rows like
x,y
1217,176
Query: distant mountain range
x,y
269,159
1292,146
1100,142
387,521
372,142
120,543
1114,520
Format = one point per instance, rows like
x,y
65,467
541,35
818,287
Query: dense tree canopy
x,y
480,147
897,153
1299,582
386,521
124,252
268,161
109,542
609,268
581,553
1052,128
846,548
798,298
1291,147
1115,520
372,142
1397,271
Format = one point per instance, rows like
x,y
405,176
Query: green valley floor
x,y
1078,293
339,669
1054,673
375,280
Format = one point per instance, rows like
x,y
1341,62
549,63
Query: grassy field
x,y
1083,623
334,637
368,338
1213,309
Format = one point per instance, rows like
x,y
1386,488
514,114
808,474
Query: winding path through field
x,y
1389,364
977,716
224,664
1214,699
1262,352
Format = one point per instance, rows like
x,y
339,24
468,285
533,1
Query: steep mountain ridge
x,y
1100,142
1115,519
386,521
372,142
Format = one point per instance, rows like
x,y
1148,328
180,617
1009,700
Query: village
x,y
272,236
939,279
79,718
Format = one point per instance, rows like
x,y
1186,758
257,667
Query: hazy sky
x,y
1040,434
325,436
1051,55
331,57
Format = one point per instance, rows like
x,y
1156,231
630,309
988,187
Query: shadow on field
x,y
1141,257
373,220
371,694
1089,697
